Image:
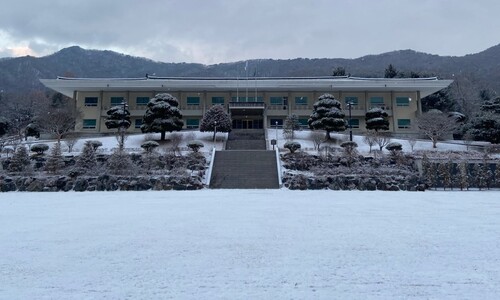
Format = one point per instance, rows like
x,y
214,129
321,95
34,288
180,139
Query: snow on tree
x,y
435,125
55,161
376,119
292,146
463,175
58,120
149,146
350,152
195,146
291,125
162,115
390,72
369,139
120,163
444,170
327,115
118,118
20,161
87,160
497,174
216,119
39,148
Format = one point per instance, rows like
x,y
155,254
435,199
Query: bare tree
x,y
412,141
318,138
369,139
435,125
382,139
70,140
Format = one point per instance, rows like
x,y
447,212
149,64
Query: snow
x,y
250,244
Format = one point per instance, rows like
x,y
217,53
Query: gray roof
x,y
426,86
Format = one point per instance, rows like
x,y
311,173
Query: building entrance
x,y
248,124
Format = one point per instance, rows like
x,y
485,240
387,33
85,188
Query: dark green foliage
x,y
120,163
195,146
292,146
390,72
216,116
491,106
4,126
55,161
118,117
87,160
339,71
290,126
463,176
39,148
33,129
149,146
440,100
20,161
394,146
376,119
162,115
327,115
94,143
485,127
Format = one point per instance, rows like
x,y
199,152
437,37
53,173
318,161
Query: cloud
x,y
227,30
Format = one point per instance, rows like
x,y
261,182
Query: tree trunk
x,y
328,136
162,136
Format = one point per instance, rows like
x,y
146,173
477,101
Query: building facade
x,y
252,103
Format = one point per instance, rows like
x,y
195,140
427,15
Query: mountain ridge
x,y
22,74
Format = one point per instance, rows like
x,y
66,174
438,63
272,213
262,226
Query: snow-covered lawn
x,y
250,244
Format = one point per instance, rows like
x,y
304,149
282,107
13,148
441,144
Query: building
x,y
252,102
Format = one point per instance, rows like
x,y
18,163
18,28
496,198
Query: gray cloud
x,y
229,30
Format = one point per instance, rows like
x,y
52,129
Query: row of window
x,y
195,123
374,101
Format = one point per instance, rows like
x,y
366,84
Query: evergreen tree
x,y
327,115
118,118
486,125
390,72
291,125
376,119
497,174
463,175
87,160
444,172
162,115
55,161
4,126
120,163
216,120
20,161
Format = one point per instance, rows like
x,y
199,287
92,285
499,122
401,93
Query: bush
x,y
149,146
394,146
292,146
39,148
95,144
195,145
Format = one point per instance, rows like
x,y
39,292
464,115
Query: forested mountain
x,y
22,74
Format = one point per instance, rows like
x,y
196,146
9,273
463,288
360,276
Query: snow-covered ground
x,y
250,244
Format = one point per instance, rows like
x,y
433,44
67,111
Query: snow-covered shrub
x,y
39,149
95,144
55,161
394,146
292,146
149,146
20,161
195,145
120,163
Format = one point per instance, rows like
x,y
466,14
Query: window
x,y
303,122
353,100
402,101
89,123
138,123
116,101
192,123
141,101
354,123
276,100
377,101
193,100
217,100
300,100
404,123
274,121
91,101
245,99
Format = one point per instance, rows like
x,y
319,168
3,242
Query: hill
x,y
22,74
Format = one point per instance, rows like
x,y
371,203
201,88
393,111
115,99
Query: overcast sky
x,y
214,31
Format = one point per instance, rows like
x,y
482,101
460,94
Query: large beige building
x,y
252,103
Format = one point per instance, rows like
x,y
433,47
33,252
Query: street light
x,y
123,128
215,130
349,105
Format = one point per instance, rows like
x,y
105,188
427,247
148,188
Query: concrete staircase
x,y
245,169
246,139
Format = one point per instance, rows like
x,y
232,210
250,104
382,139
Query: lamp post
x,y
122,125
276,123
349,105
215,130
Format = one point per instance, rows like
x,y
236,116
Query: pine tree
x,y
376,119
327,115
216,120
444,172
87,160
120,163
20,161
478,175
497,174
55,161
463,175
119,118
162,115
291,125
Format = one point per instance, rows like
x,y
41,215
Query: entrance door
x,y
248,124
